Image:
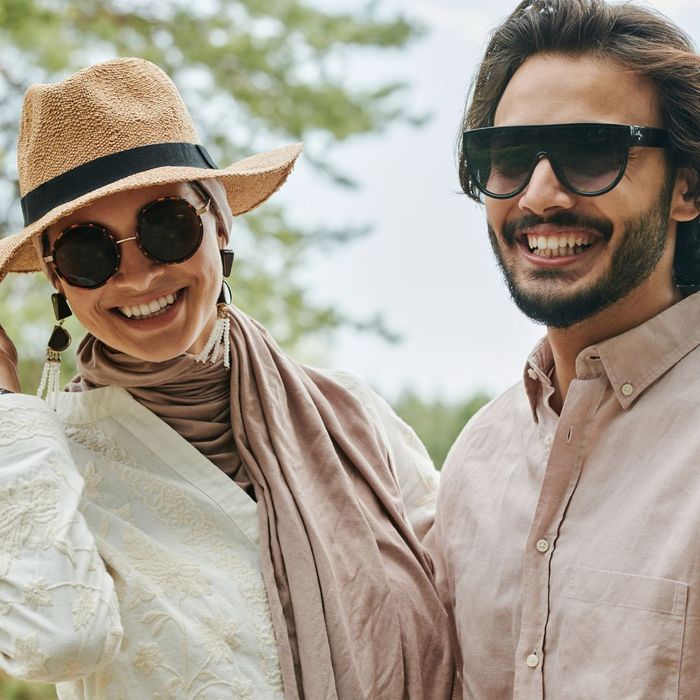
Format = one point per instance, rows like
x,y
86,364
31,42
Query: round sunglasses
x,y
588,159
168,230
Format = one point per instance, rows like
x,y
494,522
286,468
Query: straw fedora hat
x,y
117,126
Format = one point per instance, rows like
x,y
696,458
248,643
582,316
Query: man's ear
x,y
684,205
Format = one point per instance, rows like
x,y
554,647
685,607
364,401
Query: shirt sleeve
x,y
414,469
59,616
433,542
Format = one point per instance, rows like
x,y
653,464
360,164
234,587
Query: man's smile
x,y
562,245
552,245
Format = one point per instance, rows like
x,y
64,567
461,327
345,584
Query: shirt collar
x,y
636,359
632,361
537,373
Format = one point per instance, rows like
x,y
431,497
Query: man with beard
x,y
568,532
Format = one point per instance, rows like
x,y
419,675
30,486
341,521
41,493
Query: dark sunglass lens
x,y
170,230
86,256
592,159
499,160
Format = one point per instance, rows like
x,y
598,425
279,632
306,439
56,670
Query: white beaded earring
x,y
220,331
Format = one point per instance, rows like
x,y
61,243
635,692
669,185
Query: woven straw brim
x,y
248,183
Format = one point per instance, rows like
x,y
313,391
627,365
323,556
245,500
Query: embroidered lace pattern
x,y
193,604
27,424
53,587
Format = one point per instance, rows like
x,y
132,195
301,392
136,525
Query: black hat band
x,y
105,170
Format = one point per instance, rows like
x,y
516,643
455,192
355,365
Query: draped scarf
x,y
351,590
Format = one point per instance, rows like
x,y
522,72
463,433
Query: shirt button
x,y
542,546
627,389
532,374
548,439
533,660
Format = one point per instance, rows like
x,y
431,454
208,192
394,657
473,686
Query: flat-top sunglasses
x,y
588,159
168,230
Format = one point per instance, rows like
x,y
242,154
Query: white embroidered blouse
x,y
130,564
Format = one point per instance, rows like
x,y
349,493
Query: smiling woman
x,y
119,285
198,516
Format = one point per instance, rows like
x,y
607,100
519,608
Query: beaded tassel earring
x,y
221,329
50,382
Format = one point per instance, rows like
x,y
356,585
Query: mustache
x,y
565,219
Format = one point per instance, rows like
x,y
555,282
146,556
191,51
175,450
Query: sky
x,y
428,266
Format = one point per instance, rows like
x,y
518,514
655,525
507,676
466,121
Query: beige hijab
x,y
351,590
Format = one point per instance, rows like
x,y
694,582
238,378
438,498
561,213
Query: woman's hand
x,y
8,363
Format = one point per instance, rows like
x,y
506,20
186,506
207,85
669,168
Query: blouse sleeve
x,y
59,617
414,469
418,479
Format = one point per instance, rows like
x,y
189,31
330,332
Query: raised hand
x,y
8,363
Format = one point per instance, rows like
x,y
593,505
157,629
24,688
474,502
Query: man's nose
x,y
544,192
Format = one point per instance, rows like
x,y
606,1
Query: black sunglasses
x,y
588,159
168,230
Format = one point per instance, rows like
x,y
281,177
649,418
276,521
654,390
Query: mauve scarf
x,y
194,399
351,591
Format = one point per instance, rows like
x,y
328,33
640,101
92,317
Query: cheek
x,y
497,213
78,301
84,305
206,265
499,208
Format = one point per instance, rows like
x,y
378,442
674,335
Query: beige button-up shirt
x,y
569,546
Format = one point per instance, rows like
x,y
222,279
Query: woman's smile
x,y
148,308
143,318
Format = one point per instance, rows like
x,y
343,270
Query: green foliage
x,y
11,689
437,422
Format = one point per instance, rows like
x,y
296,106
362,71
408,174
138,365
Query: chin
x,y
154,354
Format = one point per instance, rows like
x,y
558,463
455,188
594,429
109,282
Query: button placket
x,y
563,467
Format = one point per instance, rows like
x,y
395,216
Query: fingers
x,y
7,346
8,363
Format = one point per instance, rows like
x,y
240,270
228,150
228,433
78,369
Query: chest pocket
x,y
621,637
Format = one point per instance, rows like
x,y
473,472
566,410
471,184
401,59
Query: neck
x,y
567,343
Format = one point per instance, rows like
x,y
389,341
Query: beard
x,y
641,246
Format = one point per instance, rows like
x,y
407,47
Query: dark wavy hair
x,y
644,40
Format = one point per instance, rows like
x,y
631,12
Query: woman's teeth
x,y
153,308
559,246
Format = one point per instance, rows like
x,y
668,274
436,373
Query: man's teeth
x,y
150,309
559,246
